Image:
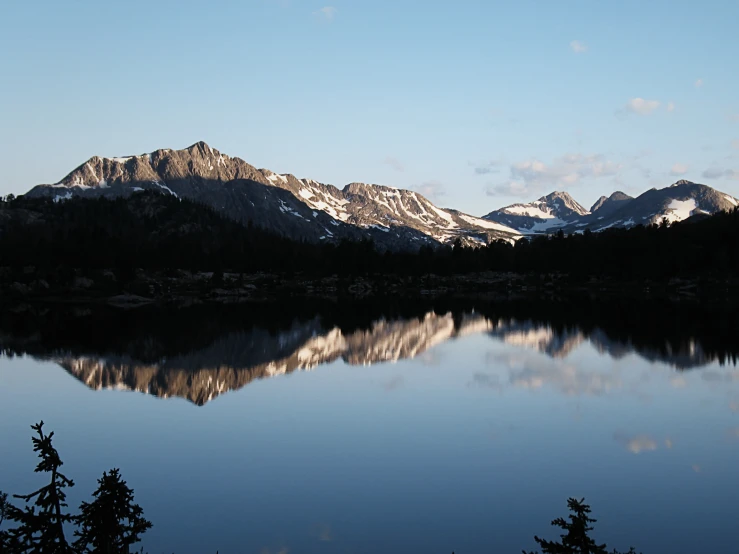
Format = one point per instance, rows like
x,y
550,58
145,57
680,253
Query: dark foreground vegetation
x,y
575,537
111,523
156,232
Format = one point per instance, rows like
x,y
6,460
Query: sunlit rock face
x,y
303,209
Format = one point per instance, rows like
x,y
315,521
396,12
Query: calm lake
x,y
367,427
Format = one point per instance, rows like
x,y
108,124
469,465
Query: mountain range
x,y
394,219
559,210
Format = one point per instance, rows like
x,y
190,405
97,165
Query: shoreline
x,y
142,287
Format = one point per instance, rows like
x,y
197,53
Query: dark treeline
x,y
152,231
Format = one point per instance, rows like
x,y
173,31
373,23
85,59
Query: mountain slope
x,y
302,209
606,205
552,211
674,203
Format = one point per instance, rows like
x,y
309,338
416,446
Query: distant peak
x,y
360,187
683,182
202,146
556,194
598,203
615,198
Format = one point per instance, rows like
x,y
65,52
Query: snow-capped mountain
x,y
558,211
677,202
395,219
298,208
554,210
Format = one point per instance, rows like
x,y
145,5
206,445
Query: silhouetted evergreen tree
x,y
576,538
111,523
41,524
3,512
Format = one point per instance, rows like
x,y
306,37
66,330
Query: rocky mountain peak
x,y
562,201
609,203
361,188
598,203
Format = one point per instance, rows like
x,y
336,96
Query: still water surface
x,y
426,432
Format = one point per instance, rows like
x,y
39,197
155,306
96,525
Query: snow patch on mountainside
x,y
165,187
485,224
273,178
542,226
330,205
533,210
62,197
680,209
445,216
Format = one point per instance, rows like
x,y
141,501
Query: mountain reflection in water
x,y
200,353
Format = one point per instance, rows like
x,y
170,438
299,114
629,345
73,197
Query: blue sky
x,y
478,104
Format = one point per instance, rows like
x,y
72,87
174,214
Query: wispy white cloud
x,y
394,383
395,163
323,532
670,106
713,173
327,12
532,176
486,168
433,190
679,169
283,550
641,106
718,173
698,83
636,444
529,370
509,188
578,47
